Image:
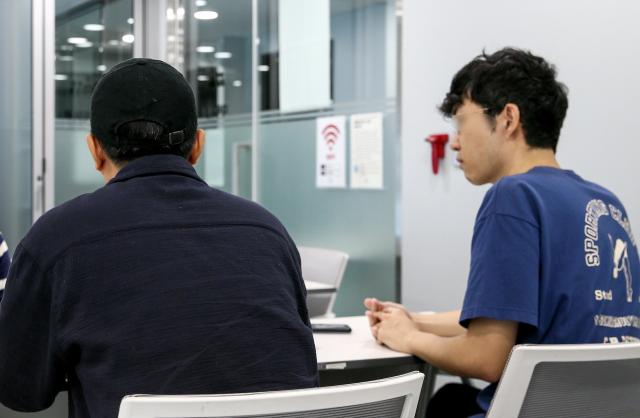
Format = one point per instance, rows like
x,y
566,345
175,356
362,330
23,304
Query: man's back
x,y
572,239
157,284
556,254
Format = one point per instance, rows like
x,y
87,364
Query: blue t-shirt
x,y
556,254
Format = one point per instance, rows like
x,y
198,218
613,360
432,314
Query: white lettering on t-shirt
x,y
629,339
609,321
616,214
623,338
603,294
595,209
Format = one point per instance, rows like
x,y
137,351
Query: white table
x,y
342,350
317,287
356,356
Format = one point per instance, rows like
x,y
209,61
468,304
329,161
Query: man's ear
x,y
104,165
511,119
198,147
98,154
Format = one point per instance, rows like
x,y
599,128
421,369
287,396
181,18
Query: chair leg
x,y
426,393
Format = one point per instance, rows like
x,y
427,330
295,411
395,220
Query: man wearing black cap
x,y
155,283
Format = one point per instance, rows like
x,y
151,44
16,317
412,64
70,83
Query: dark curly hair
x,y
141,138
515,76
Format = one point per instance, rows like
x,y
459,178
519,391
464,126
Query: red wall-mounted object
x,y
438,141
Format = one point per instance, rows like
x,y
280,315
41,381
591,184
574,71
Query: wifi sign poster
x,y
330,152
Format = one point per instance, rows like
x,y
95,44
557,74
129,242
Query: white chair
x,y
389,398
323,266
570,381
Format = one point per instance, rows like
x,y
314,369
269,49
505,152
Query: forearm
x,y
443,324
456,355
481,351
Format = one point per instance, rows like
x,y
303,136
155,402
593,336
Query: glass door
x,y
210,42
333,60
16,122
266,74
312,60
90,37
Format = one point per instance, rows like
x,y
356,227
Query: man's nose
x,y
455,143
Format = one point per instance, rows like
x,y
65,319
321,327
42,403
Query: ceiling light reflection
x,y
93,27
76,40
205,49
205,15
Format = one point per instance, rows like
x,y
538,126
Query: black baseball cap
x,y
143,89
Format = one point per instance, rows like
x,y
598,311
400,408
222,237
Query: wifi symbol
x,y
331,133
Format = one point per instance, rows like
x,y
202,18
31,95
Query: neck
x,y
109,170
529,158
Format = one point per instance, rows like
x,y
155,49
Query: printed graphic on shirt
x,y
596,209
621,263
3,247
616,214
616,322
4,262
622,339
603,294
610,321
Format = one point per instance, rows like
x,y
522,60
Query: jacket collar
x,y
151,165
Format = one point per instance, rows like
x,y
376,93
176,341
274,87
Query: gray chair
x,y
324,266
570,381
395,397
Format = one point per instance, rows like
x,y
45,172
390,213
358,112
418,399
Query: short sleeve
x,y
504,276
32,374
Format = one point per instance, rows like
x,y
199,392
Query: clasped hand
x,y
391,324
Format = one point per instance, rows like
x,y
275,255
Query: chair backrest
x,y
570,381
392,397
325,266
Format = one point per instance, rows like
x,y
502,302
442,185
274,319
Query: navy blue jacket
x,y
155,283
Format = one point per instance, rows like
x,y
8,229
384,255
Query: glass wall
x,y
91,37
210,42
361,40
314,59
15,121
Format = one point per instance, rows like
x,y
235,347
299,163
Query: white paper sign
x,y
330,152
366,151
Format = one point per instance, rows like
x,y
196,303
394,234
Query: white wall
x,y
596,48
